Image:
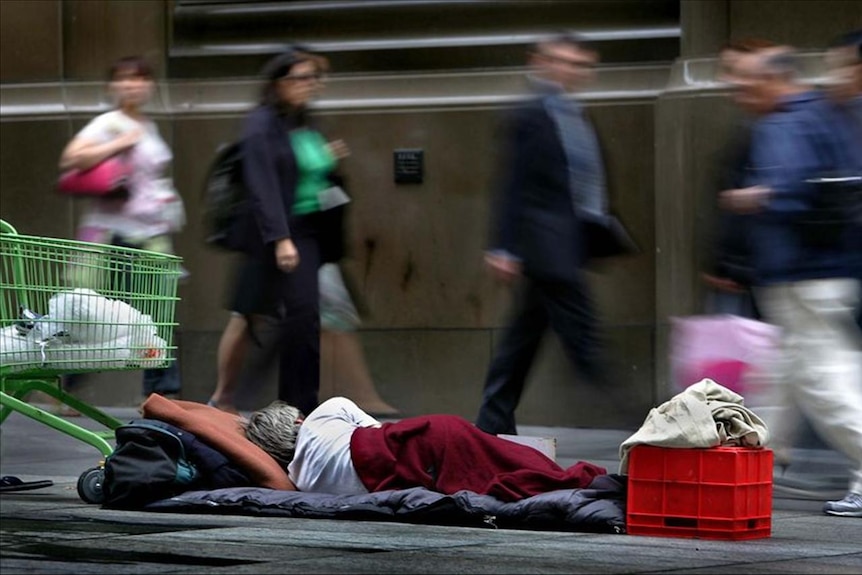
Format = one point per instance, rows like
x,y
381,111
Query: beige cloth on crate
x,y
706,414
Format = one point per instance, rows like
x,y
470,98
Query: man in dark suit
x,y
551,189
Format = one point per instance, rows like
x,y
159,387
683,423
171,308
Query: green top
x,y
313,162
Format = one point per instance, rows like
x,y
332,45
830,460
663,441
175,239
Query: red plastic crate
x,y
717,493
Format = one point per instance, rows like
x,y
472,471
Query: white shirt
x,y
322,460
154,207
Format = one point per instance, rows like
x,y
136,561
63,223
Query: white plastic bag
x,y
337,312
83,316
85,330
17,352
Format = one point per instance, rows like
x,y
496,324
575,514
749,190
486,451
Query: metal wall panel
x,y
807,24
97,32
28,174
31,39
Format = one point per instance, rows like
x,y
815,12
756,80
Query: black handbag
x,y
836,207
606,237
837,202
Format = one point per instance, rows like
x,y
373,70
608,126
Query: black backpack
x,y
224,195
155,460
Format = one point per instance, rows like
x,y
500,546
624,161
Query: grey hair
x,y
274,429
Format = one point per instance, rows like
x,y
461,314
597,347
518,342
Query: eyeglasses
x,y
303,77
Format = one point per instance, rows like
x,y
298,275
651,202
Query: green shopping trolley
x,y
69,306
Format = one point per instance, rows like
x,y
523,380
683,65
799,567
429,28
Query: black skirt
x,y
256,287
258,284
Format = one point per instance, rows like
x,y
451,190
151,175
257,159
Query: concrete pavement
x,y
50,530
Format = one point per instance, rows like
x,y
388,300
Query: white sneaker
x,y
850,506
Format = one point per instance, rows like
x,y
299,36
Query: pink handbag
x,y
104,179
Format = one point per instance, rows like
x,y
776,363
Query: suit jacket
x,y
729,250
790,146
271,176
535,218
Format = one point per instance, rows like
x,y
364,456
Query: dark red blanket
x,y
447,453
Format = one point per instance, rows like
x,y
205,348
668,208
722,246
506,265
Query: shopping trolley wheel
x,y
90,485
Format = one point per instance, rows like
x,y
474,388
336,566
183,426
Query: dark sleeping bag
x,y
598,508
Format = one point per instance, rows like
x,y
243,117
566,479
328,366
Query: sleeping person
x,y
340,449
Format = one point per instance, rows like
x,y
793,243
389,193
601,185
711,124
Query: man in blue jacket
x,y
844,60
806,284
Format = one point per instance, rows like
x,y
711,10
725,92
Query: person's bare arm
x,y
503,266
722,284
745,200
82,153
338,149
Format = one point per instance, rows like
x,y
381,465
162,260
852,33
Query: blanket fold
x,y
706,414
434,451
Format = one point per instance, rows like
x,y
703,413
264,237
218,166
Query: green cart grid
x,y
33,270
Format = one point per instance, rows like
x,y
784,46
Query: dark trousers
x,y
299,326
740,304
567,309
164,381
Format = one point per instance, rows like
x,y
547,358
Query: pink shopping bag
x,y
733,351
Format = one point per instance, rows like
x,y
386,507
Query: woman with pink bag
x,y
149,210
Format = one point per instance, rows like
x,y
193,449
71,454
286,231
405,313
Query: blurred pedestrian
x,y
807,285
728,272
292,225
344,369
844,64
343,357
151,210
551,181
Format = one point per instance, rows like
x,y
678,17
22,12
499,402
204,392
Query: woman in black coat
x,y
290,228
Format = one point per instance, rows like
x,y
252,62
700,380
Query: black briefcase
x,y
837,206
606,237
